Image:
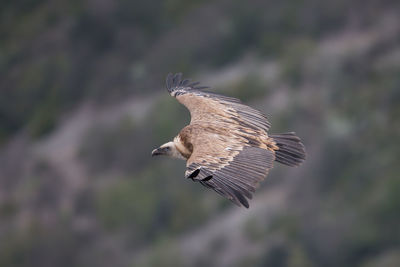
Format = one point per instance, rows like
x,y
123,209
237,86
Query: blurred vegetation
x,y
104,201
44,73
250,88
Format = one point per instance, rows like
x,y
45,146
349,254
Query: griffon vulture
x,y
226,145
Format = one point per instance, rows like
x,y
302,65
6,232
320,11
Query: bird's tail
x,y
290,149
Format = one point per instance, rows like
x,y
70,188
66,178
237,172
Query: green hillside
x,y
83,103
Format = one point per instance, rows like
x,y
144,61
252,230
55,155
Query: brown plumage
x,y
226,144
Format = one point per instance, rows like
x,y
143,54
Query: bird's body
x,y
226,145
215,136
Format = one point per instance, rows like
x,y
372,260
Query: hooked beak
x,y
157,151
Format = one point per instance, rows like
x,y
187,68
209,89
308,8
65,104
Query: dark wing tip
x,y
175,81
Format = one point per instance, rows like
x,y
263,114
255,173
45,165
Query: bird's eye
x,y
167,148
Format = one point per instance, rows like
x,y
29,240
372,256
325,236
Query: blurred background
x,y
83,103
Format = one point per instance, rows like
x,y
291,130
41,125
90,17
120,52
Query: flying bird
x,y
226,145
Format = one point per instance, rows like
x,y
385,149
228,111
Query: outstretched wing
x,y
205,106
227,162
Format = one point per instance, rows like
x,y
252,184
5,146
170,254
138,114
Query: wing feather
x,y
207,106
235,178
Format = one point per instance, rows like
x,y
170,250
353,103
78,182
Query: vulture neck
x,y
180,146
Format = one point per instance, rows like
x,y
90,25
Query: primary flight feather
x,y
226,145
